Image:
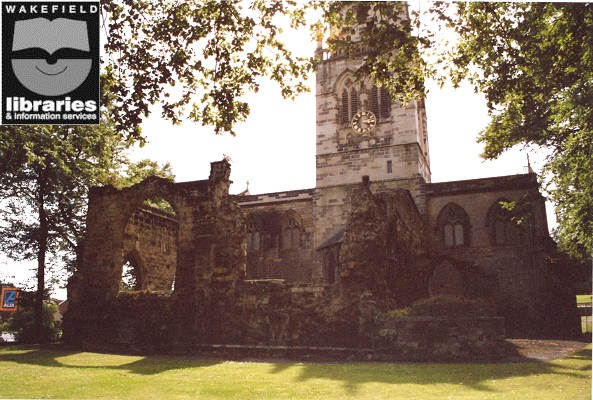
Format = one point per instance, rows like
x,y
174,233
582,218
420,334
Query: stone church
x,y
291,268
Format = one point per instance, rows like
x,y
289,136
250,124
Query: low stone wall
x,y
269,317
439,338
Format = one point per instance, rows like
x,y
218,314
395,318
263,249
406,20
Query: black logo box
x,y
89,89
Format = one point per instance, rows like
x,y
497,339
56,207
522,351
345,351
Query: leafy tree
x,y
45,172
534,63
198,58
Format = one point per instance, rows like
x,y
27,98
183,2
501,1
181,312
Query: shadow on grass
x,y
477,376
55,356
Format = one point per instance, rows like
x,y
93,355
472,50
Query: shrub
x,y
451,306
22,324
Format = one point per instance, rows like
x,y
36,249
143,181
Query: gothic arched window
x,y
253,233
501,228
349,105
292,230
453,226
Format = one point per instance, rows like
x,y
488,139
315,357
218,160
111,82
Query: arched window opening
x,y
453,226
454,234
502,230
292,231
253,233
160,204
151,234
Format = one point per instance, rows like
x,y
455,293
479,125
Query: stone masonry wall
x,y
383,244
450,339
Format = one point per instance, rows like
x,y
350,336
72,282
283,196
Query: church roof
x,y
336,238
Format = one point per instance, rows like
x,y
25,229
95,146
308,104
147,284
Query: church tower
x,y
360,132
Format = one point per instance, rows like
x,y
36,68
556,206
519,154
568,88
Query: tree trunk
x,y
42,250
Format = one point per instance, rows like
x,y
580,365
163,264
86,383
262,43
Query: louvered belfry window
x,y
345,115
353,102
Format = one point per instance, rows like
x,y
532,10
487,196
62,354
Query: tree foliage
x,y
534,64
197,58
136,172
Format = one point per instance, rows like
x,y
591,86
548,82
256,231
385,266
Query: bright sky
x,y
275,149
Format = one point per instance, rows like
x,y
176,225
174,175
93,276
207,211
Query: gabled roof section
x,y
336,238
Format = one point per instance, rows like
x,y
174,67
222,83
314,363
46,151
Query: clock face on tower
x,y
364,122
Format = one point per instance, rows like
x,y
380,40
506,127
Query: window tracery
x,y
453,226
292,230
253,233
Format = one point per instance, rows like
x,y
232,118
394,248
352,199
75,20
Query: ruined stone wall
x,y
333,207
150,245
384,248
210,247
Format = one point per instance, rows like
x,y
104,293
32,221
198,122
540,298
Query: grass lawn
x,y
58,373
584,298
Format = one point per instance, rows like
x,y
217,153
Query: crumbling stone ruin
x,y
326,266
